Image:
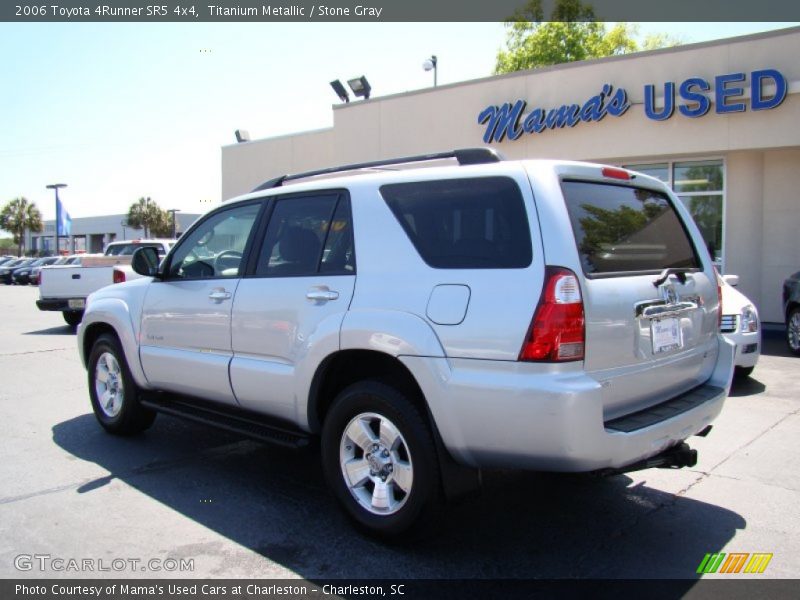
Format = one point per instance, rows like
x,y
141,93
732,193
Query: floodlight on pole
x,y
340,91
360,86
432,64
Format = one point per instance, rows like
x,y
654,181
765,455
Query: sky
x,y
120,111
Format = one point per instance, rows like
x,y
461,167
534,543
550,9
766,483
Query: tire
x,y
793,331
113,392
72,317
743,372
381,434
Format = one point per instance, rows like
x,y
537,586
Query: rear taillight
x,y
119,276
557,332
719,303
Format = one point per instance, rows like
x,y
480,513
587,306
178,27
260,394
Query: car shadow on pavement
x,y
63,330
522,525
746,386
773,343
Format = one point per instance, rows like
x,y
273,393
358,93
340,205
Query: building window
x,y
701,186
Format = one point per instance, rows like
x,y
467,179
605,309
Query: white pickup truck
x,y
66,287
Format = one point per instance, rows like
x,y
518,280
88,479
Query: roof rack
x,y
464,156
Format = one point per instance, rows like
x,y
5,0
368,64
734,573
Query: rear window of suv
x,y
620,229
474,223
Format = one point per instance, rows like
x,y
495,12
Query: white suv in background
x,y
425,323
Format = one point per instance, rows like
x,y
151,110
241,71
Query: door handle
x,y
218,295
322,295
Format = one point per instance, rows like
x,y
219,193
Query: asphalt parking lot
x,y
242,509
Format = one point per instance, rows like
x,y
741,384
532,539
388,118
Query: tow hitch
x,y
676,457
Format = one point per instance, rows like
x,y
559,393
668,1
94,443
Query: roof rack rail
x,y
464,156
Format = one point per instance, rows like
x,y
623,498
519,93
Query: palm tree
x,y
146,214
19,215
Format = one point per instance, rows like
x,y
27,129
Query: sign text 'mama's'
x,y
511,120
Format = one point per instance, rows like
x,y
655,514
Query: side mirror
x,y
732,280
145,261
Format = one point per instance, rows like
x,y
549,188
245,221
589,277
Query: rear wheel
x,y
379,459
73,317
793,330
114,394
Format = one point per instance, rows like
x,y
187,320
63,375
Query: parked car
x,y
9,263
7,269
740,325
425,323
791,309
59,260
6,259
65,288
22,275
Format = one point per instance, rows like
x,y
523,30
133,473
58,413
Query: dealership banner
x,y
237,11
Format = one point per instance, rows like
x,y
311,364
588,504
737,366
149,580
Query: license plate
x,y
76,303
666,335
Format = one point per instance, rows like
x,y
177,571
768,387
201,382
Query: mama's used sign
x,y
693,100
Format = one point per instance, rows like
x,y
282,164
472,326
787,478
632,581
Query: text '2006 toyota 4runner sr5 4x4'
x,y
426,323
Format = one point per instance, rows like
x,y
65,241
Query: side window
x,y
296,235
477,223
216,247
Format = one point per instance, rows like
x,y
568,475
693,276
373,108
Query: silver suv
x,y
425,323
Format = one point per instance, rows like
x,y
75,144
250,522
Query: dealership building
x,y
718,121
92,234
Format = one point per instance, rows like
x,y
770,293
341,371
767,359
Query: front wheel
x,y
379,459
793,331
114,393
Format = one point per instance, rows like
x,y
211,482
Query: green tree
x,y
6,244
571,34
146,214
163,226
19,215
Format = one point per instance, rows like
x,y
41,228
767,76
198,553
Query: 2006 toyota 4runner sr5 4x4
x,y
425,323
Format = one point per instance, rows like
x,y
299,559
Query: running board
x,y
230,419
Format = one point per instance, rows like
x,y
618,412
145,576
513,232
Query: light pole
x,y
173,211
124,225
431,64
56,187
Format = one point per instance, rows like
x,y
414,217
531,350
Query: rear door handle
x,y
322,295
218,295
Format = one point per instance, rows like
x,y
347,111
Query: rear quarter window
x,y
473,223
620,229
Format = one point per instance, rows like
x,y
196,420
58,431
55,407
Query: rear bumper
x,y
59,304
503,414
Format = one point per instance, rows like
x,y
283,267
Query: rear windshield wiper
x,y
679,272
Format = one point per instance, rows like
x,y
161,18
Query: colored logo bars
x,y
736,562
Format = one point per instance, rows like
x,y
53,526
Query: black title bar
x,y
267,11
